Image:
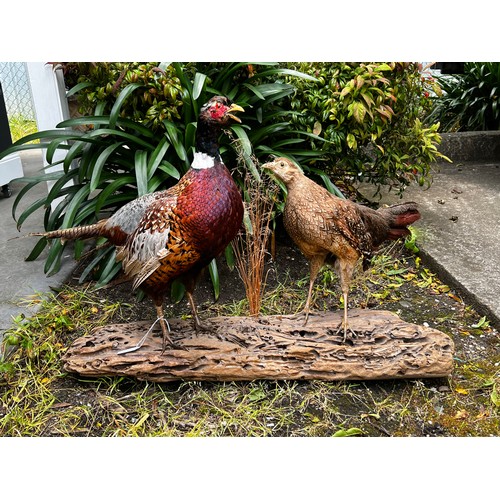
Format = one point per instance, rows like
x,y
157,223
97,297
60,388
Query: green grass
x,y
21,127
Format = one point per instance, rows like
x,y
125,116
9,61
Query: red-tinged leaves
x,y
346,90
385,111
351,141
358,111
359,82
368,99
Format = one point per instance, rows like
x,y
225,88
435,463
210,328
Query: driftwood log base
x,y
269,347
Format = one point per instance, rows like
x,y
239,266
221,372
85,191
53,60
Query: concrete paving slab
x,y
20,279
460,229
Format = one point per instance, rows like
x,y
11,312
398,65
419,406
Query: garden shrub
x,y
469,101
97,86
371,116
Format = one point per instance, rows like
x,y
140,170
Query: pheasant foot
x,y
141,342
346,328
305,313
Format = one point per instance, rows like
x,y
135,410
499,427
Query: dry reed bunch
x,y
251,243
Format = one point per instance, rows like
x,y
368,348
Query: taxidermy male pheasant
x,y
174,234
330,230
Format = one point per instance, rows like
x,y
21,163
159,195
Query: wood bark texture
x,y
269,347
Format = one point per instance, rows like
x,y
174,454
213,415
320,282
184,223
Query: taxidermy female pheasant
x,y
174,234
330,230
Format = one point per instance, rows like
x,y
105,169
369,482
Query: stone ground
x,y
20,279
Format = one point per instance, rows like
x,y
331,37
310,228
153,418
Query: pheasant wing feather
x,y
328,218
141,257
145,248
345,219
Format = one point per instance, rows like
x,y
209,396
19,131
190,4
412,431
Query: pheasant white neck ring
x,y
203,160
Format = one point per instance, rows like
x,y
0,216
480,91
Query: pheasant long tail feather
x,y
74,233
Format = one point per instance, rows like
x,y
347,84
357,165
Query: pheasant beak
x,y
273,170
234,107
268,166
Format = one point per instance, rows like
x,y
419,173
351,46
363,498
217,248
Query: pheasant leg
x,y
315,264
143,339
198,325
165,328
344,325
307,307
345,268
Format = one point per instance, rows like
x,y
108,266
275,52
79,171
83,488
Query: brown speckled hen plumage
x,y
330,230
174,234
